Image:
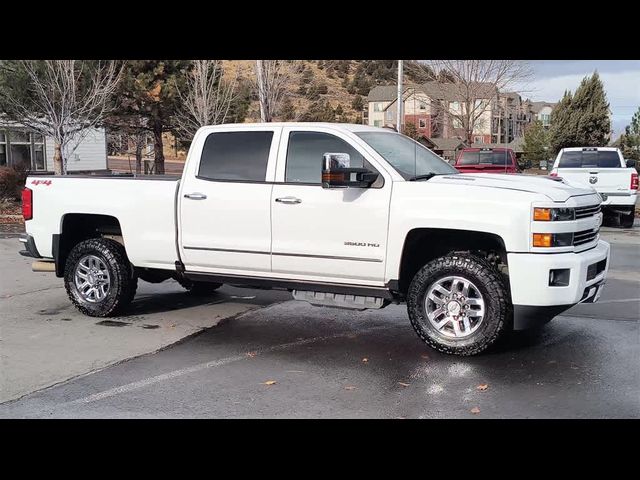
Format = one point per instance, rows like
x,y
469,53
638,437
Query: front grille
x,y
585,236
588,211
596,269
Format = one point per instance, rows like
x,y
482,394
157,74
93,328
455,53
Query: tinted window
x,y
305,151
236,156
485,158
590,158
408,157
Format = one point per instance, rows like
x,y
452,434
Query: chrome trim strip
x,y
224,250
329,257
281,254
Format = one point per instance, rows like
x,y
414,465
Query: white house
x,y
20,145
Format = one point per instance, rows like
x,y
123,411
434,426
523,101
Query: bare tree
x,y
465,93
272,77
205,98
61,99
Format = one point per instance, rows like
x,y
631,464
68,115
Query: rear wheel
x,y
459,304
626,219
98,277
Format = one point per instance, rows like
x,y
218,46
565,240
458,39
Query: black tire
x,y
123,283
497,321
626,219
199,288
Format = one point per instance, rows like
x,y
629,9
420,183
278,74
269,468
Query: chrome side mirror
x,y
338,172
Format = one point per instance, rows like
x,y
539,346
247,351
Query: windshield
x,y
590,158
409,158
485,158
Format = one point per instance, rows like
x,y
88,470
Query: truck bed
x,y
144,206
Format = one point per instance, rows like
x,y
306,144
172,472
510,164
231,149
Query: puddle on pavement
x,y
51,311
112,323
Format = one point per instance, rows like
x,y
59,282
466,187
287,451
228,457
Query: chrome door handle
x,y
288,200
195,196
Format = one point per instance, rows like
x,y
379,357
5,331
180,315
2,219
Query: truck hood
x,y
557,190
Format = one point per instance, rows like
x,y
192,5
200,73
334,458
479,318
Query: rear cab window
x,y
590,159
485,157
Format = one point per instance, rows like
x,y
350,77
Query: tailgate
x,y
602,179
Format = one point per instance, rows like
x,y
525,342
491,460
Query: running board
x,y
338,300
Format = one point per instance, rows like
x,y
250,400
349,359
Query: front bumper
x,y
535,301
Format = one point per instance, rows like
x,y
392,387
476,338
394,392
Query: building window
x,y
4,161
422,123
545,118
422,106
378,106
388,115
478,139
377,123
457,123
22,147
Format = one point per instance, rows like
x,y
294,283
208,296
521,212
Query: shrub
x,y
11,182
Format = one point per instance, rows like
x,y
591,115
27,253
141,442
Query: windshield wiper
x,y
426,176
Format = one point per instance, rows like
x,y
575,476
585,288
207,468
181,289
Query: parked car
x,y
341,215
487,160
606,170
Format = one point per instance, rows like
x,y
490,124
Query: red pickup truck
x,y
487,160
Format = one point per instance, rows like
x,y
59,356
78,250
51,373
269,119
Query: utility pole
x,y
400,102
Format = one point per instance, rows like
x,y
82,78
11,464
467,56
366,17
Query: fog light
x,y
559,277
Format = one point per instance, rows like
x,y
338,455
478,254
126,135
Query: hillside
x,y
318,90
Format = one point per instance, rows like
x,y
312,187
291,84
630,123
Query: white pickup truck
x,y
341,215
605,169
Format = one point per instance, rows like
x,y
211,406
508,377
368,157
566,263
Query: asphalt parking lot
x,y
271,357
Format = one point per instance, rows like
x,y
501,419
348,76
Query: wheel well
x,y
77,227
425,244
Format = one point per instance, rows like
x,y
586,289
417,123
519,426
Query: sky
x,y
621,80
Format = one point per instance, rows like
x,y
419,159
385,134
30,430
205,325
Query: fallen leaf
x,y
269,382
251,354
482,387
475,410
172,325
365,360
404,384
349,387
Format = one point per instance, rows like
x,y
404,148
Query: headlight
x,y
552,239
553,214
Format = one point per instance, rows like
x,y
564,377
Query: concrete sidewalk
x,y
44,340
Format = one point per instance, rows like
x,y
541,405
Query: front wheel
x,y
459,304
98,277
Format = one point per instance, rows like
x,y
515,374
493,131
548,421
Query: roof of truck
x,y
353,127
578,149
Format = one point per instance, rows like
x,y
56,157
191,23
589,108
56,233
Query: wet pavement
x,y
294,360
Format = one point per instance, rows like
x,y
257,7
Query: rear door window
x,y
236,156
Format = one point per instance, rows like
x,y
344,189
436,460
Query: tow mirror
x,y
338,172
631,163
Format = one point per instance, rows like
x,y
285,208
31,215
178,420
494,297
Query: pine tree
x,y
536,143
357,104
287,110
630,139
562,131
590,113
